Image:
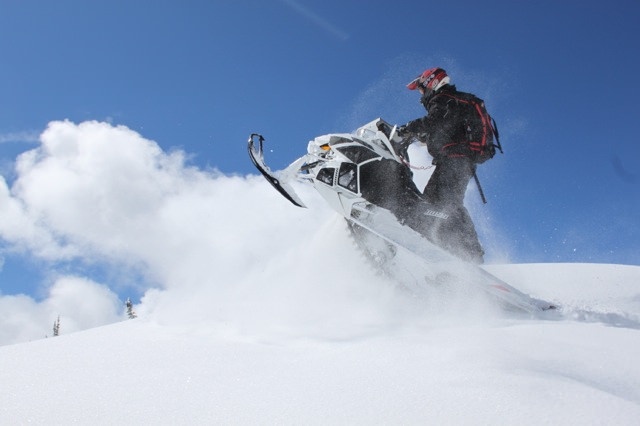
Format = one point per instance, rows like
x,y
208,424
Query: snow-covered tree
x,y
56,327
130,311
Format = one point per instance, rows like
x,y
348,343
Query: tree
x,y
130,311
56,327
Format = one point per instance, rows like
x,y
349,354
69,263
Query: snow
x,y
485,367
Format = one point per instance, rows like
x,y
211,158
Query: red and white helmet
x,y
430,80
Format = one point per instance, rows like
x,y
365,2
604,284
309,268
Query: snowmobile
x,y
364,177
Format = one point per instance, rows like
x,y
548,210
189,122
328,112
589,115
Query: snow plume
x,y
205,246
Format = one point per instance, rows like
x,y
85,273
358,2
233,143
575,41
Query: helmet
x,y
430,80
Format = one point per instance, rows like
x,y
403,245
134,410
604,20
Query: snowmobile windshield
x,y
338,140
357,154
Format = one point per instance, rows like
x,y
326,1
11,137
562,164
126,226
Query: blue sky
x,y
560,78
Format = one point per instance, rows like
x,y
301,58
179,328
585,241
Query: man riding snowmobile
x,y
459,134
364,177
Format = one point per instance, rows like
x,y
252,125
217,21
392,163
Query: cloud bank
x,y
203,246
79,302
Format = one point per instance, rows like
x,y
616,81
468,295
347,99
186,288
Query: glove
x,y
400,136
400,142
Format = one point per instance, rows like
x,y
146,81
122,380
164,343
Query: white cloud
x,y
83,303
23,231
317,19
24,136
80,303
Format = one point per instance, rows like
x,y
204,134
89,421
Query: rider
x,y
446,188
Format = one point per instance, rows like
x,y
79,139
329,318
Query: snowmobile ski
x,y
256,153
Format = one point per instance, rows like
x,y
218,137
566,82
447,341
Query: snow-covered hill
x,y
401,365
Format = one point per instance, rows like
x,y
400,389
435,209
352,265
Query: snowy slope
x,y
412,367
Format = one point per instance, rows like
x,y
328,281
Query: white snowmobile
x,y
362,176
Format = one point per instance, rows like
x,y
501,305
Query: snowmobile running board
x,y
257,157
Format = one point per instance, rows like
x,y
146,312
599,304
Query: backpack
x,y
475,138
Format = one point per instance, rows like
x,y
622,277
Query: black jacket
x,y
443,128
